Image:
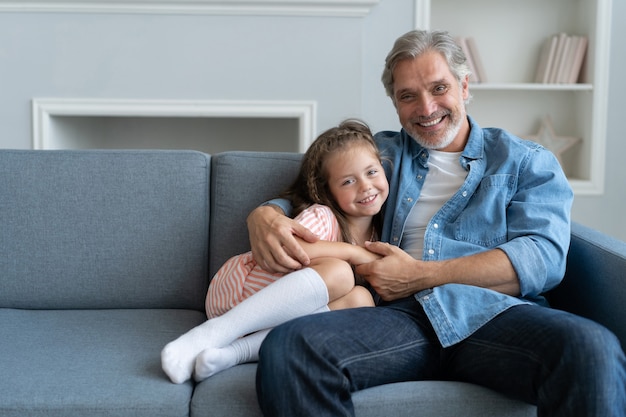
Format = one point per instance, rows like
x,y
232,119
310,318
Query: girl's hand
x,y
362,256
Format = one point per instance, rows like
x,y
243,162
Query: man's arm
x,y
272,240
399,275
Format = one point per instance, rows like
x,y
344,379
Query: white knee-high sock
x,y
297,294
245,349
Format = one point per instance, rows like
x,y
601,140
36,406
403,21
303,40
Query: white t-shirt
x,y
445,176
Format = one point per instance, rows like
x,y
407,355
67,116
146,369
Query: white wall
x,y
177,57
335,61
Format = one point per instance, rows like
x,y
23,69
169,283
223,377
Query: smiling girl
x,y
338,194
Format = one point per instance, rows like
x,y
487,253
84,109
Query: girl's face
x,y
357,181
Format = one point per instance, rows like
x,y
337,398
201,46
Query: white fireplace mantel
x,y
346,8
47,109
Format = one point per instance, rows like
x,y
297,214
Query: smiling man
x,y
475,230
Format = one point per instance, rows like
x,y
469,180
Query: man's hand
x,y
394,275
399,275
272,240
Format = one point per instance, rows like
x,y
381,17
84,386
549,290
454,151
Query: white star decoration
x,y
548,139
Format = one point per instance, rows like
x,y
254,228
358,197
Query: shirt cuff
x,y
282,203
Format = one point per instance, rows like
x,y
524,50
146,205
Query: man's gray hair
x,y
415,43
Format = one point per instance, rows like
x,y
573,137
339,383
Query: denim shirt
x,y
515,198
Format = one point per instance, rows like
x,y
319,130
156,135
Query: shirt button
x,y
419,177
395,238
464,193
409,199
436,226
431,252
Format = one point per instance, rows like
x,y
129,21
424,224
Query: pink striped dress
x,y
240,276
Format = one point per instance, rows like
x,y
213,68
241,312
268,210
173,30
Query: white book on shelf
x,y
562,60
558,57
578,58
546,60
478,63
569,60
470,62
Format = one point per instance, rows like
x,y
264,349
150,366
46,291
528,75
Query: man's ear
x,y
465,87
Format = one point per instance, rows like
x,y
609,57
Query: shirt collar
x,y
474,149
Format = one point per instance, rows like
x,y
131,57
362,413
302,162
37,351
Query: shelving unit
x,y
510,35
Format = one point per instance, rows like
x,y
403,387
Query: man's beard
x,y
446,139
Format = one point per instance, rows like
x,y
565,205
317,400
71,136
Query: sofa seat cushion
x,y
90,362
232,393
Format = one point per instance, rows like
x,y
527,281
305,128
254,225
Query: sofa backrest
x,y
103,229
240,181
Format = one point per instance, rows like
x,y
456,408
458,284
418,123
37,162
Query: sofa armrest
x,y
595,280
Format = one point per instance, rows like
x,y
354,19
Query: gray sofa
x,y
105,256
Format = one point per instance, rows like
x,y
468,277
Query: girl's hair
x,y
417,42
311,185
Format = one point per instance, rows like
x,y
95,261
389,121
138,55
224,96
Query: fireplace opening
x,y
210,135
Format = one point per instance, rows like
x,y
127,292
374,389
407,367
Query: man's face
x,y
430,102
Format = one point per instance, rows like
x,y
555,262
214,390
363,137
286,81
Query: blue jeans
x,y
567,365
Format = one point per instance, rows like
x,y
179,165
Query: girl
x,y
338,194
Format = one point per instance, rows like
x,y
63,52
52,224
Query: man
x,y
477,225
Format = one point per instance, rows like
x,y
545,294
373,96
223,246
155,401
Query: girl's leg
x,y
245,349
336,274
358,297
296,294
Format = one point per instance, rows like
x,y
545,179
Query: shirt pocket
x,y
484,220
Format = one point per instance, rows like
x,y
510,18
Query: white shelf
x,y
530,87
509,36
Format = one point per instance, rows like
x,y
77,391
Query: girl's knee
x,y
337,275
358,297
361,297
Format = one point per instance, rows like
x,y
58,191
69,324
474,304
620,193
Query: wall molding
x,y
345,8
44,109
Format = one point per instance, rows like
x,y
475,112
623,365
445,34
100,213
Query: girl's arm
x,y
353,254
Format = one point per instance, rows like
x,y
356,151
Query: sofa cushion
x,y
93,363
103,229
232,393
240,181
